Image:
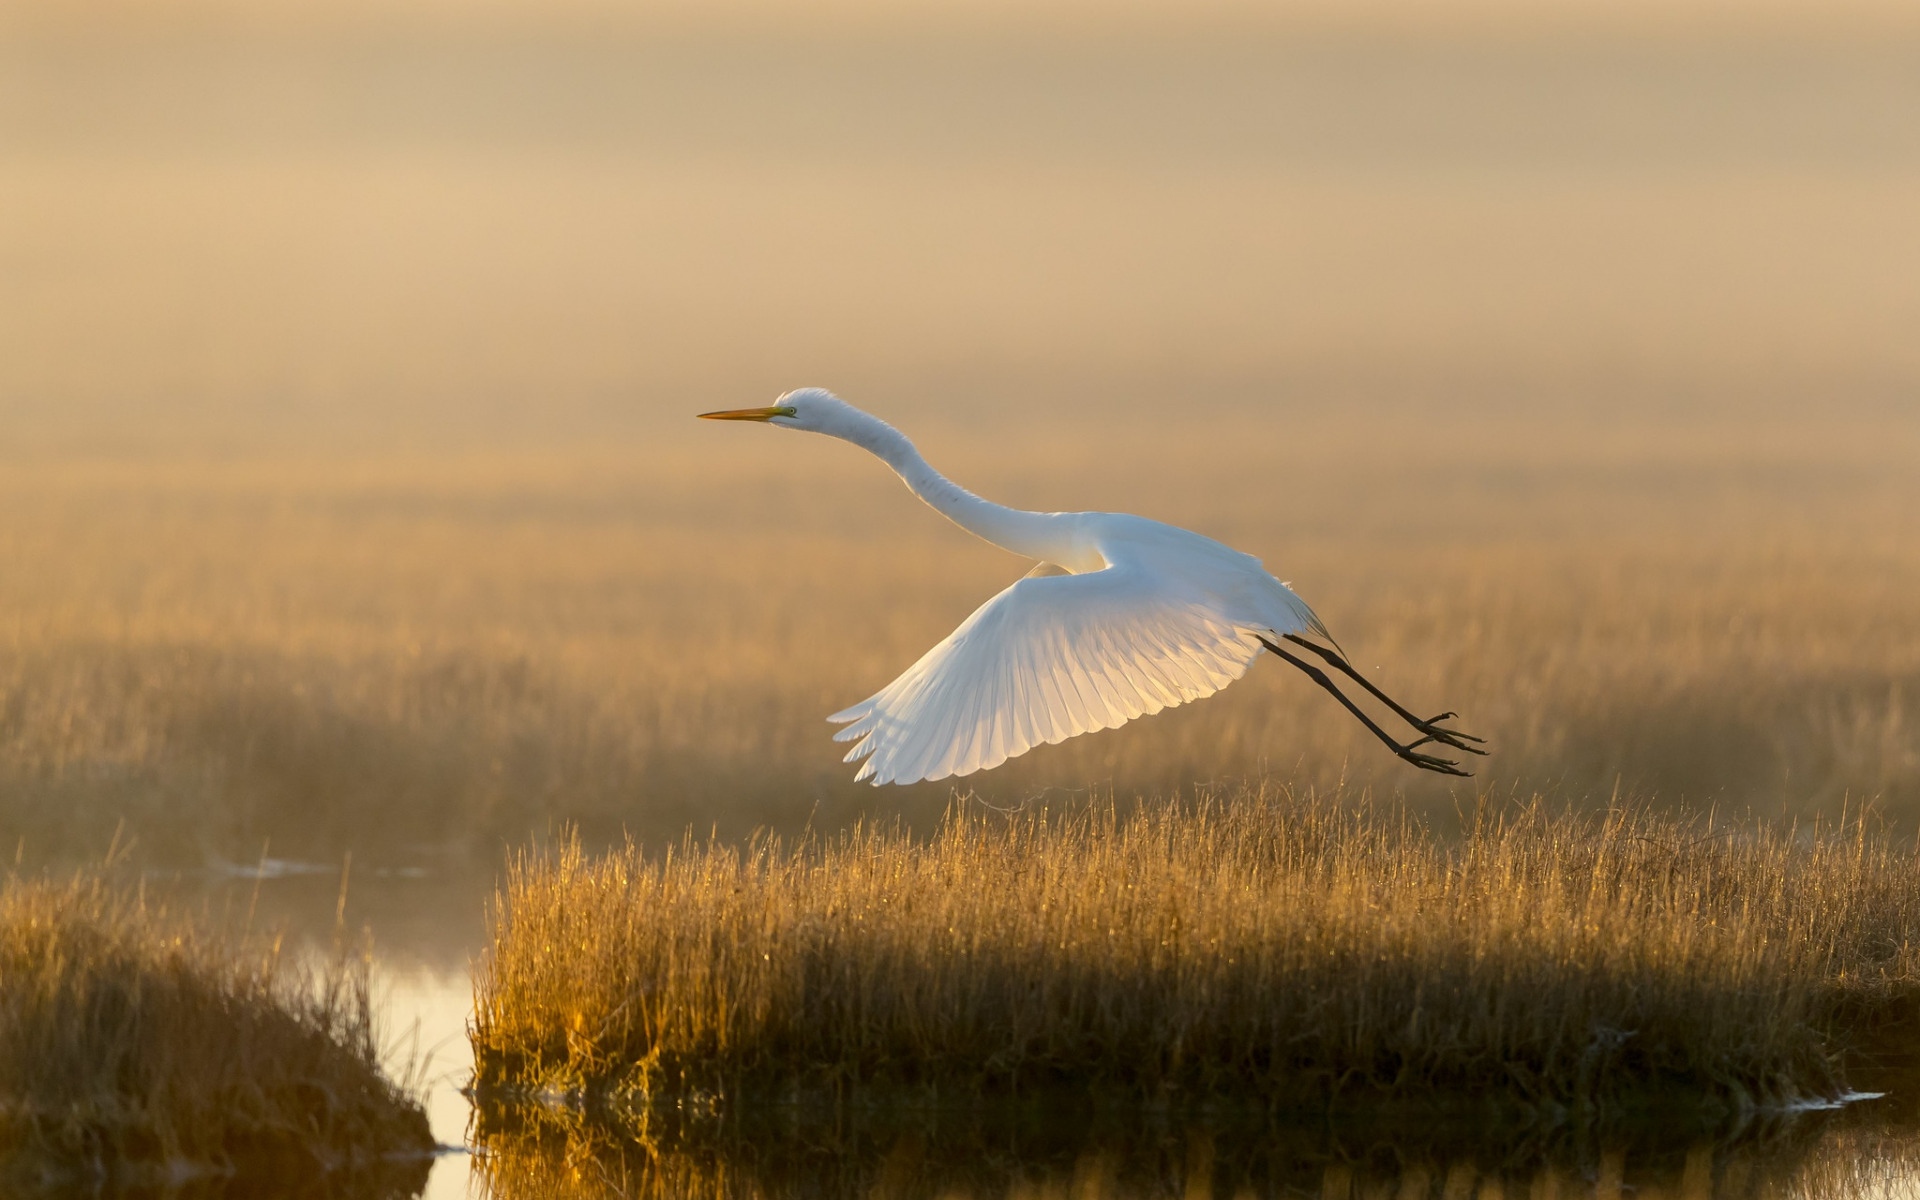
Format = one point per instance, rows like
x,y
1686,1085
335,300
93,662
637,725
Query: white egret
x,y
1122,617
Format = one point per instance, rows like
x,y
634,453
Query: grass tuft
x,y
1268,949
139,1047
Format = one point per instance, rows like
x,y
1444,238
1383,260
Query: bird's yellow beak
x,y
747,414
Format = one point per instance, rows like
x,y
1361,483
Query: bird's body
x,y
1154,616
1123,617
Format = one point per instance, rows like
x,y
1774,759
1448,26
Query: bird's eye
x,y
789,411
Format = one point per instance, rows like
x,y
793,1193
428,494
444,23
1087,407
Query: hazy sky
x,y
1072,16
215,227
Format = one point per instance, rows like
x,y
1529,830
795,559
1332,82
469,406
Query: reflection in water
x,y
935,1155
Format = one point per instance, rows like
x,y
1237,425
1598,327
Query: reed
x,y
1265,949
141,1047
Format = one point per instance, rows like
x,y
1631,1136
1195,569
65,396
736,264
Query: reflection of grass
x,y
1267,950
136,1046
1020,1152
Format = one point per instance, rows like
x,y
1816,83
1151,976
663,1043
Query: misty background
x,y
1563,357
381,228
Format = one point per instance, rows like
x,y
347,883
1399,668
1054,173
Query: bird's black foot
x,y
1433,731
1429,762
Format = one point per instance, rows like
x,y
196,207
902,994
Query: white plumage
x,y
1056,655
1123,617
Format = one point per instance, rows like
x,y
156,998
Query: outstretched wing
x,y
1050,657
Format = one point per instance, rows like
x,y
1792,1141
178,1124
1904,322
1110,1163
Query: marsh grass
x,y
471,651
1262,949
141,1047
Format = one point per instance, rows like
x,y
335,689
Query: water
x,y
947,1155
433,1004
427,926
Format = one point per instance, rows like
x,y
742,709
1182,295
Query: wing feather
x,y
1050,657
1093,694
1064,706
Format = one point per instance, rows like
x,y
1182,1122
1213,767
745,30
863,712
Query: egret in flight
x,y
1122,617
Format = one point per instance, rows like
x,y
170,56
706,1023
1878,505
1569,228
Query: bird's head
x,y
816,410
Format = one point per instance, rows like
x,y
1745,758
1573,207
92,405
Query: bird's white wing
x,y
1050,657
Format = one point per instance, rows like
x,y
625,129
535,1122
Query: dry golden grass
x,y
1261,950
140,1048
1710,606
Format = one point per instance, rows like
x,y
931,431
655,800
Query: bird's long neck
x,y
1031,534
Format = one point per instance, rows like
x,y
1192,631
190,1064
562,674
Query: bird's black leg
x,y
1425,762
1431,727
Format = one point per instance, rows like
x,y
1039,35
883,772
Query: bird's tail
x,y
1307,619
